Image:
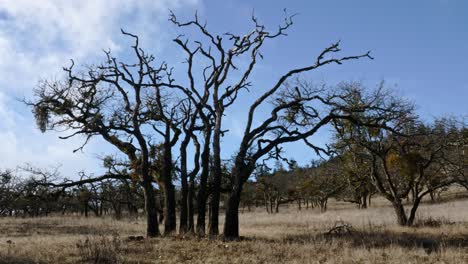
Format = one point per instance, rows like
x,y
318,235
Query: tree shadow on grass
x,y
29,229
382,239
11,259
375,238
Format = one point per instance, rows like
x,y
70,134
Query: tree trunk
x,y
231,224
402,219
191,190
271,205
217,175
240,174
170,224
277,204
323,205
191,209
117,210
265,199
152,227
364,202
414,208
183,227
86,209
413,195
201,195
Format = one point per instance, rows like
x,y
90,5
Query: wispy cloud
x,y
37,38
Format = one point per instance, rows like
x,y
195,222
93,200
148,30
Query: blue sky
x,y
420,49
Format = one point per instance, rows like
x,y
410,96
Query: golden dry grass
x,y
288,237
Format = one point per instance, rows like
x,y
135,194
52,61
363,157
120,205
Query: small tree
x,y
356,171
408,160
323,182
277,188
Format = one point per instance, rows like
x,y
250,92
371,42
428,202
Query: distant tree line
x,y
22,196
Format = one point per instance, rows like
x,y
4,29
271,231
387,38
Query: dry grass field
x,y
288,237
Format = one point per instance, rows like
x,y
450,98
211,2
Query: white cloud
x,y
37,38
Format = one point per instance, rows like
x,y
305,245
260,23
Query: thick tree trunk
x,y
402,219
152,227
240,174
231,224
170,224
215,195
191,207
183,227
201,196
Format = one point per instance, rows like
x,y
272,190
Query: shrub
x,y
100,249
432,222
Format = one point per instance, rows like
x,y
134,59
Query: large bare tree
x,y
225,79
123,104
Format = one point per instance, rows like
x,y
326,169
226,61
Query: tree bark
x,y
215,195
201,195
183,227
240,174
402,219
152,227
231,224
414,208
191,207
170,224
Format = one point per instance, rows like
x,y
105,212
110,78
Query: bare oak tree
x,y
123,104
223,52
